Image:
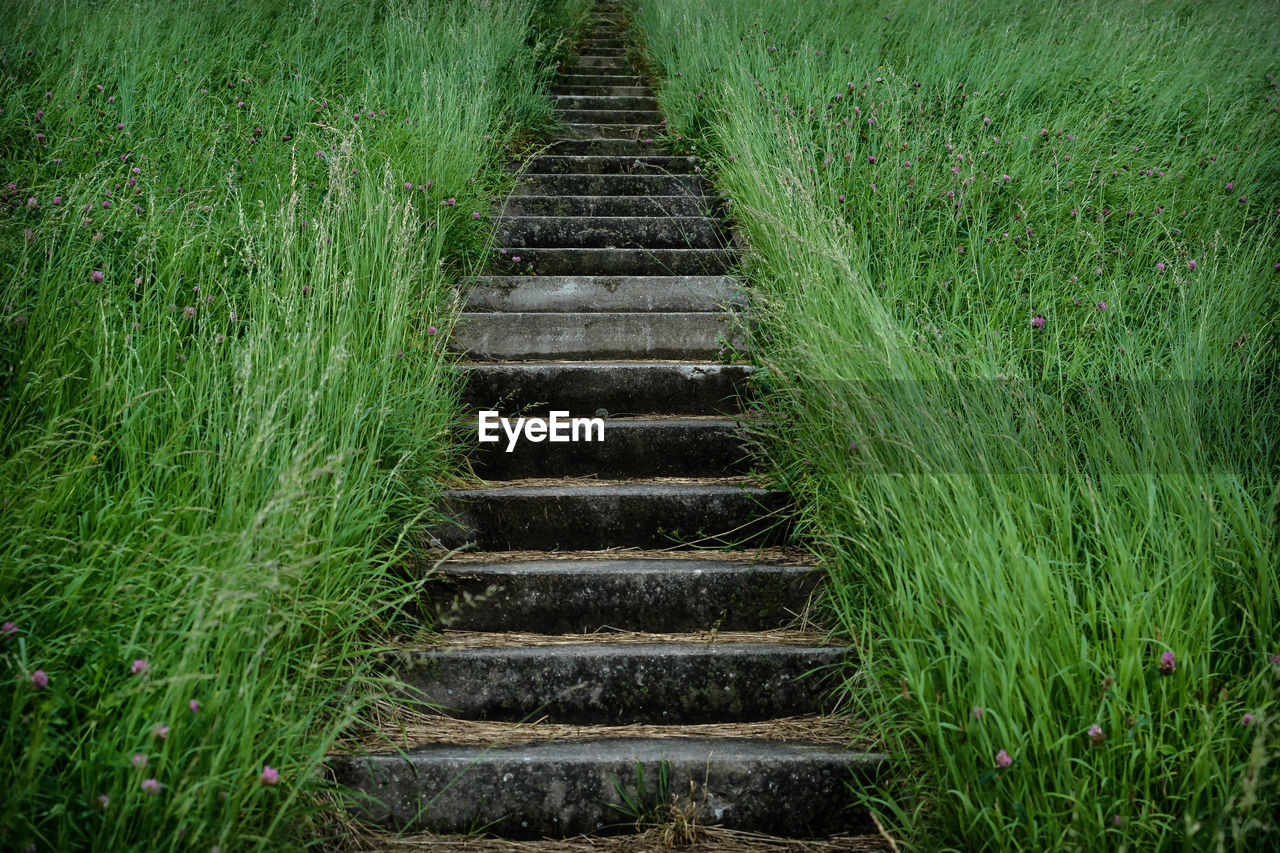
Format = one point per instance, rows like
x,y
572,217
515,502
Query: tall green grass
x,y
229,237
1018,283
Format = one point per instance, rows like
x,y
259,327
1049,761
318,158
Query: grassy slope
x,y
1018,288
211,445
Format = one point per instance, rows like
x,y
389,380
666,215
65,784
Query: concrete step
x,y
617,683
599,64
566,788
509,336
601,41
610,116
632,448
599,49
647,232
645,514
601,146
610,164
615,185
607,102
644,594
610,205
611,131
595,79
604,261
596,89
615,387
617,68
603,293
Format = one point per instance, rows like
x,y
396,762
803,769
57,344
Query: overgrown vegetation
x,y
229,235
1017,285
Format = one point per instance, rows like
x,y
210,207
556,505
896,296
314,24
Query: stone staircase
x,y
658,670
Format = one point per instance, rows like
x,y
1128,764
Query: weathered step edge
x,y
618,388
538,335
618,683
573,596
560,789
588,517
580,294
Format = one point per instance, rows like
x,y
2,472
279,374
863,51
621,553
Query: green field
x,y
1016,278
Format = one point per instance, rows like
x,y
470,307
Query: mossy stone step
x,y
619,683
562,789
630,594
640,514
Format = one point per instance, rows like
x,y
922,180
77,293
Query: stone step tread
x,y
616,185
604,145
607,221
585,487
618,386
607,102
593,130
611,232
580,89
654,513
624,594
775,555
583,293
602,66
664,565
606,205
610,116
512,335
614,642
609,164
587,79
618,682
614,261
667,595
739,783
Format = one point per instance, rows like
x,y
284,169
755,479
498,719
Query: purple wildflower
x,y
1167,663
1002,759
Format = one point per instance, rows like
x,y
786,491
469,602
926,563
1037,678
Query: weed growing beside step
x,y
1021,345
